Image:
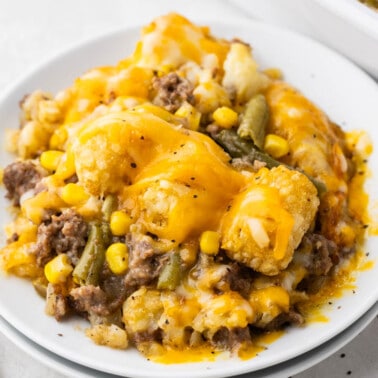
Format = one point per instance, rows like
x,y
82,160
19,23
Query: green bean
x,y
109,205
242,148
106,234
254,120
91,261
171,274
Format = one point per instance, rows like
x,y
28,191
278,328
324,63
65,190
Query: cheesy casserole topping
x,y
181,199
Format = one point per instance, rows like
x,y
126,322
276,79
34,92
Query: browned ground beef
x,y
19,177
317,255
144,267
148,336
64,233
114,288
171,91
238,277
285,319
320,251
231,339
89,299
144,263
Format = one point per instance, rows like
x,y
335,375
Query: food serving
x,y
183,198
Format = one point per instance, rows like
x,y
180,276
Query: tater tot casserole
x,y
183,199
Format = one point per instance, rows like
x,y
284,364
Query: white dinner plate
x,y
284,369
349,97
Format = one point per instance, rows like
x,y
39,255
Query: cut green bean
x,y
106,234
109,205
91,261
170,276
255,120
242,148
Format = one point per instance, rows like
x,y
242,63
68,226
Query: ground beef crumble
x,y
145,264
231,339
64,233
20,177
171,91
88,299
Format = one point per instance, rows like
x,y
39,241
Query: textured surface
x,y
31,31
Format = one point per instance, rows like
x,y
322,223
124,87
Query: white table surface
x,y
31,31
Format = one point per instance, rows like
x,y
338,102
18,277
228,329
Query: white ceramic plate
x,y
342,90
352,21
284,369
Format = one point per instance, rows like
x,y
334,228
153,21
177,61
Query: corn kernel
x,y
120,223
225,117
209,242
58,269
117,257
66,167
276,146
74,194
50,159
192,115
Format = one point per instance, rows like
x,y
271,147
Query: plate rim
x,y
301,363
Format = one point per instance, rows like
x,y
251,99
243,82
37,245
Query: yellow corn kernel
x,y
117,257
209,242
66,167
74,194
225,117
276,146
120,223
50,159
58,269
191,114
